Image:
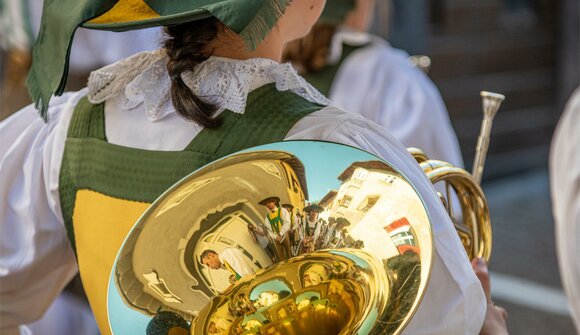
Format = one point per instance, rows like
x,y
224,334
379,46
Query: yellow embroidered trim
x,y
126,11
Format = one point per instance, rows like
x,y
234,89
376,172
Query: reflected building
x,y
372,196
160,263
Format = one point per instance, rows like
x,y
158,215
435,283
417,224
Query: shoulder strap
x,y
88,120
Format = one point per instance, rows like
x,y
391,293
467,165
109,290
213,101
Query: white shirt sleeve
x,y
238,262
285,222
454,302
269,229
36,260
318,230
565,189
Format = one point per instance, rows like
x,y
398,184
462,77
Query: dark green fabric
x,y
90,162
60,19
324,78
251,19
336,10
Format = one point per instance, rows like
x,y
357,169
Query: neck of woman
x,y
229,45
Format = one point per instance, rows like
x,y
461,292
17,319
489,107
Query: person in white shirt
x,y
362,73
312,227
231,259
141,111
278,224
295,229
565,191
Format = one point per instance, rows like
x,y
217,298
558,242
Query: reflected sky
x,y
122,319
324,162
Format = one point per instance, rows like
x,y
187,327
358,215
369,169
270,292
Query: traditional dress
x,y
130,133
312,229
278,223
565,189
369,77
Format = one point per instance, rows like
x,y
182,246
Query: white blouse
x,y
378,82
35,257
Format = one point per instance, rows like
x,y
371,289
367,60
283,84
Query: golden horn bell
x,y
474,223
213,251
234,248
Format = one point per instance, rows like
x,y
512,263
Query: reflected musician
x,y
231,259
340,236
312,227
278,225
296,233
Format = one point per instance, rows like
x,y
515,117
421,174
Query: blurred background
x,y
527,50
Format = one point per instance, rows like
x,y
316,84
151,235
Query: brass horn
x,y
474,224
234,248
212,251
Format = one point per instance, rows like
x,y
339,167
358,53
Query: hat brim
x,y
269,199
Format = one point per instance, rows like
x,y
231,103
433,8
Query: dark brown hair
x,y
310,53
187,46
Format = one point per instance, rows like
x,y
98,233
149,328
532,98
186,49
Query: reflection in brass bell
x,y
290,238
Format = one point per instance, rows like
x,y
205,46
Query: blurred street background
x,y
527,50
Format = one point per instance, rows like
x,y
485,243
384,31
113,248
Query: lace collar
x,y
143,79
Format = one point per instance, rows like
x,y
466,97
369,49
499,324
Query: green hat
x,y
336,10
251,19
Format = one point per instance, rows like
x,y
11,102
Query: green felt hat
x,y
336,10
251,19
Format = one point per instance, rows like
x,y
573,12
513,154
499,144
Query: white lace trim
x,y
143,78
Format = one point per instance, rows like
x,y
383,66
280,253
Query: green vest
x,y
105,188
276,221
232,271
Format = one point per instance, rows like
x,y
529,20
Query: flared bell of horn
x,y
290,238
491,103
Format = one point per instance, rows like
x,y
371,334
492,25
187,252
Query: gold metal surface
x,y
472,222
491,103
358,262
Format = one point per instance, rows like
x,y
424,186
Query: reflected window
x,y
368,203
361,174
345,201
295,185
